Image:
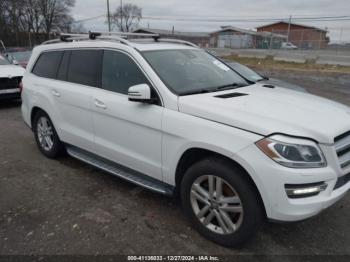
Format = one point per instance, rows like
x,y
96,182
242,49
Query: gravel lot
x,y
67,207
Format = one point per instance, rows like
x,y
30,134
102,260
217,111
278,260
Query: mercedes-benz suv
x,y
169,116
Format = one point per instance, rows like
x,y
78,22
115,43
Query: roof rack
x,y
116,36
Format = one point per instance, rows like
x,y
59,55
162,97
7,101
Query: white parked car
x,y
168,116
288,45
10,80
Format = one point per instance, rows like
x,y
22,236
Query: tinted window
x,y
120,72
47,64
63,69
85,67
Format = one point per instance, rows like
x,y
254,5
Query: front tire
x,y
46,136
221,202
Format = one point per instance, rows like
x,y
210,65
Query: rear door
x,y
77,78
128,133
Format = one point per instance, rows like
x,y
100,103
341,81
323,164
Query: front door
x,y
128,133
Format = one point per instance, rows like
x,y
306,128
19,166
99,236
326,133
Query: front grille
x,y
9,83
342,147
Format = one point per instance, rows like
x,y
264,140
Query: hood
x,y
9,71
267,111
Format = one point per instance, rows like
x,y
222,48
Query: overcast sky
x,y
222,9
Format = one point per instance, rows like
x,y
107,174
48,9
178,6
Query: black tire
x,y
57,148
253,212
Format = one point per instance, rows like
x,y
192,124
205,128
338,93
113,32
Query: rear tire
x,y
46,136
231,205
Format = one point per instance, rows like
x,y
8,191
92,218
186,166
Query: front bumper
x,y
271,178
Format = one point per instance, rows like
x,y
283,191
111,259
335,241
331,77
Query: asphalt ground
x,y
65,207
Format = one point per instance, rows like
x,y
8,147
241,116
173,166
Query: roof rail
x,y
117,36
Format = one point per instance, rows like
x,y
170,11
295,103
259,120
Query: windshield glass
x,y
192,71
21,56
3,61
246,72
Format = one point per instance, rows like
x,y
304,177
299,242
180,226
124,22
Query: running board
x,y
120,171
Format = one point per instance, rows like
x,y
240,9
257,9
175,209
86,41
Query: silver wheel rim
x,y
216,204
45,133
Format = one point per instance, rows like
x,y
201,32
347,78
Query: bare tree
x,y
22,19
126,18
55,14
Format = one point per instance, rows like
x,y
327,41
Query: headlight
x,y
292,152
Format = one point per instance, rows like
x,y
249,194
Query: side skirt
x,y
120,171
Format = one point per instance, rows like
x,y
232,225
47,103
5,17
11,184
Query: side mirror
x,y
140,93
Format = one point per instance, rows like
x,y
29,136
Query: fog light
x,y
305,190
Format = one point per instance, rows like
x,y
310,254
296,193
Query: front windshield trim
x,y
188,92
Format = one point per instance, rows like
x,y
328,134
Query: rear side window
x,y
63,69
120,72
47,64
85,67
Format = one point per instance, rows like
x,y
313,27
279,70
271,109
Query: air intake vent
x,y
342,148
231,95
269,86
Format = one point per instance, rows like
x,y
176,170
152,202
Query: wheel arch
x,y
195,154
35,110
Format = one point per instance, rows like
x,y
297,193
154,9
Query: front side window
x,y
85,67
47,64
246,72
120,72
188,71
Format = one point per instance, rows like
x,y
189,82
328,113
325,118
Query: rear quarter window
x,y
47,64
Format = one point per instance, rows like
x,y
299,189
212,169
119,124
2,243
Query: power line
x,y
89,18
310,19
249,20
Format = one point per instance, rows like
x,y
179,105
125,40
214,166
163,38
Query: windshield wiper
x,y
201,91
210,90
231,86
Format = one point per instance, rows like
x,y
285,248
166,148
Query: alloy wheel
x,y
45,133
216,204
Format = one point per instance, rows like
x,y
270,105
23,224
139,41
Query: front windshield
x,y
246,72
3,61
192,71
21,56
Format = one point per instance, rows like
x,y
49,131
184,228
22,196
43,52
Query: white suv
x,y
169,116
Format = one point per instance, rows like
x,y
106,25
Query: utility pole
x,y
290,21
121,16
108,17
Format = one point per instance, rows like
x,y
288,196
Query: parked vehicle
x,y
18,56
10,79
172,118
288,45
252,76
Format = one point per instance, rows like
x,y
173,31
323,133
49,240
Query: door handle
x,y
55,93
100,104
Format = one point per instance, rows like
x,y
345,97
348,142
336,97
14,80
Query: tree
x,y
55,14
22,19
126,18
